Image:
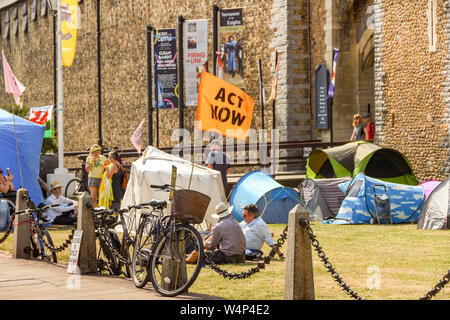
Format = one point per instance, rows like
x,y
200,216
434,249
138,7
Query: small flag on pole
x,y
273,93
43,116
12,85
220,73
136,137
333,75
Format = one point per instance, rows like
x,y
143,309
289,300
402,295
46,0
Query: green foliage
x,y
48,144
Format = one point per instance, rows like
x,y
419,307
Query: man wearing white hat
x,y
226,242
67,211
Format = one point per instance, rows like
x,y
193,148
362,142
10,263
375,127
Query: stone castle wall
x,y
411,79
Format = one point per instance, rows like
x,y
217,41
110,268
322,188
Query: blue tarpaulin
x,y
273,200
29,141
358,207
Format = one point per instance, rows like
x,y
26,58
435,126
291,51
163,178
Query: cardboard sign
x,y
74,252
173,181
223,108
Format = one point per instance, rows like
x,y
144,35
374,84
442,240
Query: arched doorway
x,y
355,87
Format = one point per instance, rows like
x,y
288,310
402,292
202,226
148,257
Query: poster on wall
x,y
195,44
231,47
165,68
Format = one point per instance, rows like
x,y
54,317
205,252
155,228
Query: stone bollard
x,y
22,244
173,272
87,260
298,280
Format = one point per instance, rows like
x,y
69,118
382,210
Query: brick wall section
x,y
379,75
124,66
410,105
291,19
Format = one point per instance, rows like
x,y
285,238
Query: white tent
x,y
154,167
435,212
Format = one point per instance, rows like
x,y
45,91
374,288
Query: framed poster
x,y
165,68
231,45
195,45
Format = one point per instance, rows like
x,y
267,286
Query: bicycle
x,y
40,238
148,231
113,254
171,237
76,185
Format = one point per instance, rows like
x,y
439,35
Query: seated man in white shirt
x,y
67,212
256,233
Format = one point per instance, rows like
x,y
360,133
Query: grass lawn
x,y
379,262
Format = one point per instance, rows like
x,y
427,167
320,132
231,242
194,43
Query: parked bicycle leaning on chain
x,y
114,254
40,239
164,240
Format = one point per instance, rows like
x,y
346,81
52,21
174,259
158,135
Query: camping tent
x,y
29,142
435,214
358,207
429,186
155,167
273,200
322,197
360,157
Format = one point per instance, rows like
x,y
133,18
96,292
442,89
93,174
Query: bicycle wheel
x,y
39,248
169,273
106,259
75,186
145,238
125,253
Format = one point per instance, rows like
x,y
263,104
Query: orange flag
x,y
223,108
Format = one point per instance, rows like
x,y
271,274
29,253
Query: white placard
x,y
74,252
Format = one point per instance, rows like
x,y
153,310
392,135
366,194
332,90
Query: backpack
x,y
124,178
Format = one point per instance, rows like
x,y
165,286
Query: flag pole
x,y
17,143
59,108
261,93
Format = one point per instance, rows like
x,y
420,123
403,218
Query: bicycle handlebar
x,y
164,187
39,210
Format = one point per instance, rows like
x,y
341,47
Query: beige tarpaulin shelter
x,y
154,167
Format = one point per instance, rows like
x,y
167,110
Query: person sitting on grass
x,y
226,242
256,233
66,213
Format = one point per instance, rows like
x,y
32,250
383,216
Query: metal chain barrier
x,y
315,243
8,231
34,228
441,284
246,274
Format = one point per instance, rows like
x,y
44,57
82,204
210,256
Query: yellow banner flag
x,y
69,23
223,108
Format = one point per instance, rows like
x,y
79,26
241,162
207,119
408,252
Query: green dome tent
x,y
357,157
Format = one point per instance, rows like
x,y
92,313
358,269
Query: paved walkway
x,y
34,279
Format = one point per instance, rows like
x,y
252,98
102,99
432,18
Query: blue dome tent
x,y
273,200
29,141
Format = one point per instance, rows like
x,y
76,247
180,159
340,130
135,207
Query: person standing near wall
x,y
95,165
219,161
369,129
358,128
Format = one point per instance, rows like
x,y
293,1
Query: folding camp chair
x,y
382,206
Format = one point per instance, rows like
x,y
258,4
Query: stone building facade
x,y
394,63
